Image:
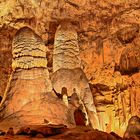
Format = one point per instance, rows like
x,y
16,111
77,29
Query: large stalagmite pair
x,y
28,98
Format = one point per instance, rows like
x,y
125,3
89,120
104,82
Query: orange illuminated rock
x,y
133,128
66,48
127,34
28,98
130,59
135,97
45,130
104,30
68,74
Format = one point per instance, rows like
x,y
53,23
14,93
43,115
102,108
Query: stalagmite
x,y
64,95
28,50
28,99
67,71
66,49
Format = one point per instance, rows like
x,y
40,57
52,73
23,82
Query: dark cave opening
x,y
79,117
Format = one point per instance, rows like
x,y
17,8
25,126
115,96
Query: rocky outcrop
x,y
113,92
130,59
28,50
5,51
116,101
128,34
134,92
130,56
133,128
28,98
60,132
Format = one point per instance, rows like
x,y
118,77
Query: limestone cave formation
x,y
70,69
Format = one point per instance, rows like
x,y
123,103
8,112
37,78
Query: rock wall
x,y
133,128
5,56
28,50
116,100
114,89
130,59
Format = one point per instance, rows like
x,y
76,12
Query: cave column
x,y
28,99
66,63
66,48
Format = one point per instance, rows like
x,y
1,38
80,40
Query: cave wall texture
x,y
108,38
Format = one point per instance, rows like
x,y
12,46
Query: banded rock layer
x,y
66,49
28,50
28,98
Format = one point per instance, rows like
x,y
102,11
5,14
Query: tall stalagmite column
x,y
27,99
66,49
67,71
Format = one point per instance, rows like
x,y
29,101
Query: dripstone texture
x,y
133,128
106,30
66,48
68,74
28,98
130,59
28,50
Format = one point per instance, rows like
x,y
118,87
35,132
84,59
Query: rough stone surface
x,y
127,34
135,98
97,24
28,50
133,128
5,56
65,59
66,48
78,133
130,59
116,101
76,79
27,99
